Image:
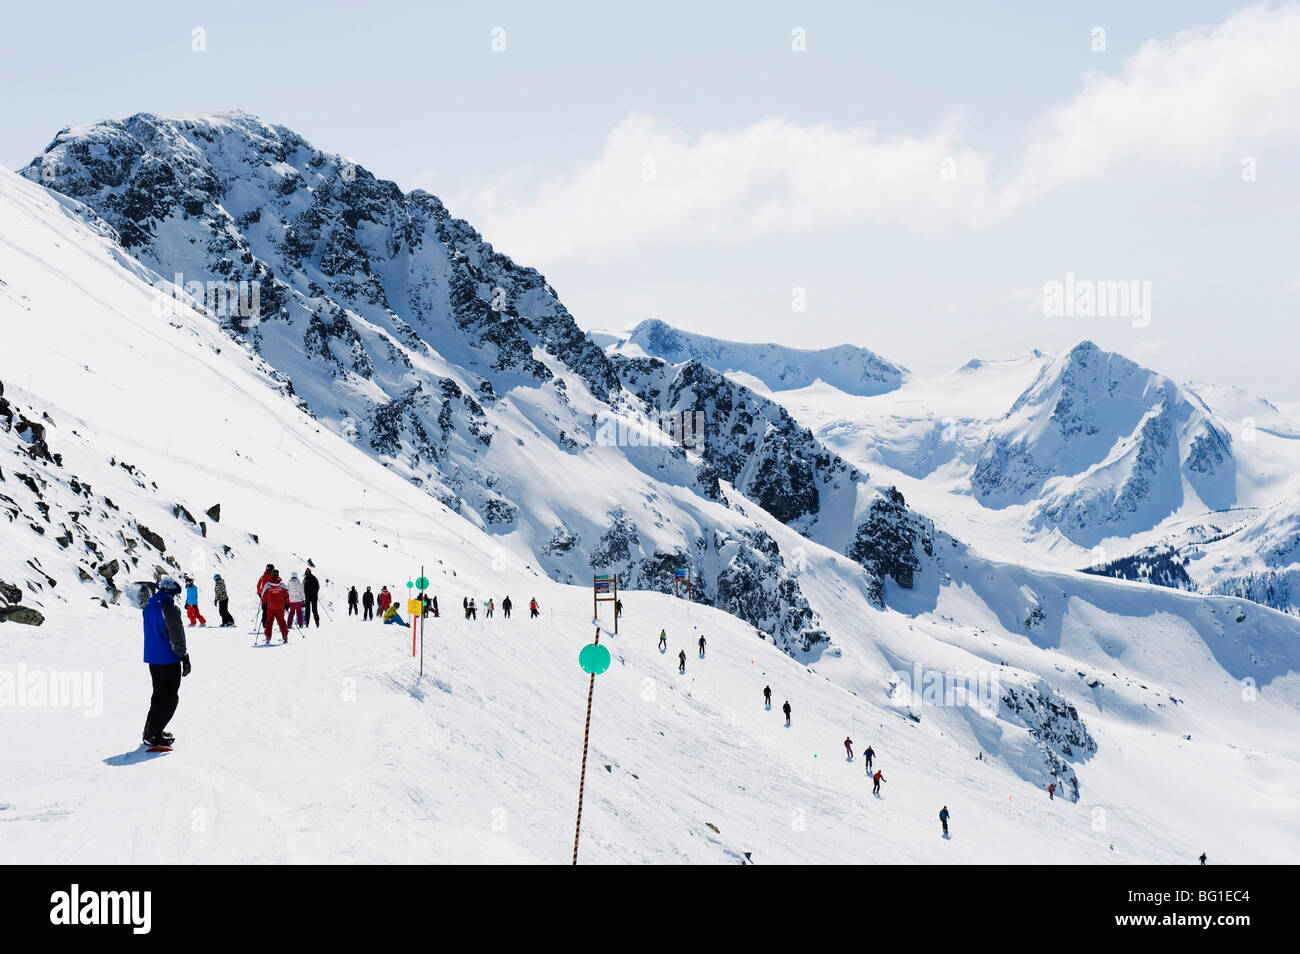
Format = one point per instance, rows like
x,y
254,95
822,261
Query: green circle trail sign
x,y
594,659
422,582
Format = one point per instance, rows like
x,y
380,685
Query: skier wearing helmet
x,y
167,657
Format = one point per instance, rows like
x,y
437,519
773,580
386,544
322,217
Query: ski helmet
x,y
168,585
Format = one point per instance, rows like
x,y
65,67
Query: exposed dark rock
x,y
21,614
152,538
890,541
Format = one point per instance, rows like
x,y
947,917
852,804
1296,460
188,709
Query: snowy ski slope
x,y
331,749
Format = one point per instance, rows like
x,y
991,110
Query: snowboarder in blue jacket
x,y
192,603
167,657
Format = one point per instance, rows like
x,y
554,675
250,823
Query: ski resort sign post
x,y
415,608
604,589
593,659
682,577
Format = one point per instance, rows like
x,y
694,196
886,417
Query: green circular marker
x,y
422,582
409,584
594,659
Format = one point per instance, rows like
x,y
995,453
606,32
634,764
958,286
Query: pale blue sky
x,y
542,147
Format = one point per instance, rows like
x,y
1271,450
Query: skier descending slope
x,y
275,600
663,640
943,817
848,747
168,659
767,697
877,779
505,607
869,755
786,709
222,600
681,662
532,608
701,647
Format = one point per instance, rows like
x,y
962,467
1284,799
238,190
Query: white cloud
x,y
1195,100
1189,102
651,183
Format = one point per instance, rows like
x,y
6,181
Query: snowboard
x,y
159,748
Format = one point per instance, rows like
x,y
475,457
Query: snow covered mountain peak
x,y
851,369
1103,446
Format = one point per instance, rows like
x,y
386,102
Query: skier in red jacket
x,y
275,600
848,747
261,585
385,598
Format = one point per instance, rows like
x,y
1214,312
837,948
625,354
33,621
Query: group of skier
x,y
471,604
367,602
299,598
663,643
221,601
364,604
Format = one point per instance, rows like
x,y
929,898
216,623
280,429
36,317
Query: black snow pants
x,y
166,696
223,607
